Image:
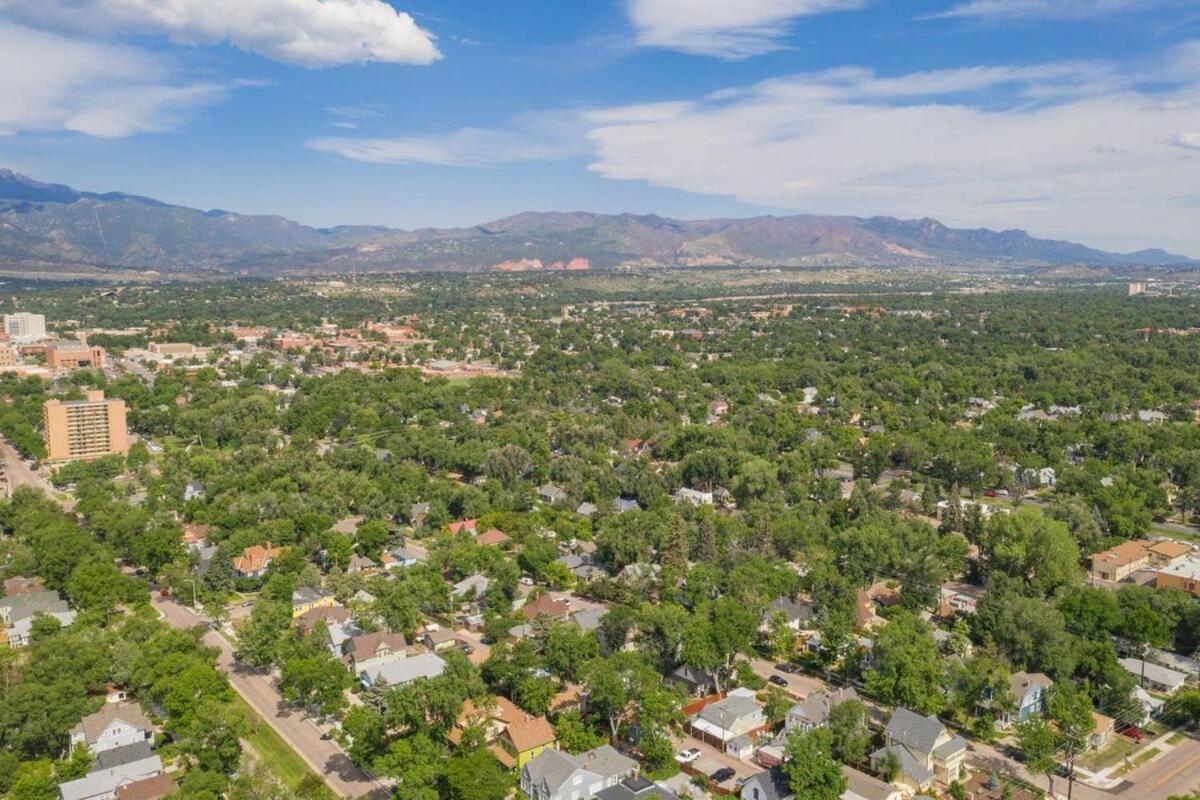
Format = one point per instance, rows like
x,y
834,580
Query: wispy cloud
x,y
547,136
1091,147
1043,9
311,33
732,30
49,83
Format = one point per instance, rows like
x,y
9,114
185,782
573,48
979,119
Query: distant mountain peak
x,y
47,222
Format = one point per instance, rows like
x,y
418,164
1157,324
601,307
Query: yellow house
x,y
524,740
305,599
514,736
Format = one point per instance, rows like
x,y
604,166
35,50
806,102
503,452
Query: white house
x,y
114,725
555,775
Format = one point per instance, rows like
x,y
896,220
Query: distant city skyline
x,y
1072,119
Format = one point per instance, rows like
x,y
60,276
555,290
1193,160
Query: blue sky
x,y
1077,119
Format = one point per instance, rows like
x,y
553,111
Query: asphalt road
x,y
19,473
1177,773
323,756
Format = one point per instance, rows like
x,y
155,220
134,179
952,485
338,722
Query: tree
x,y
310,676
1071,711
477,776
1039,742
615,683
850,736
811,769
258,640
673,553
1032,547
716,635
907,669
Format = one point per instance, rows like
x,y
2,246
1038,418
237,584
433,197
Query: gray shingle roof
x,y
913,730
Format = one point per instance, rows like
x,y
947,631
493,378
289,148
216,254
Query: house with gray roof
x,y
925,749
120,756
555,775
114,725
1154,676
636,787
404,670
814,710
22,606
103,784
797,615
723,722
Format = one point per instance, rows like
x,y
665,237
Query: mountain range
x,y
56,226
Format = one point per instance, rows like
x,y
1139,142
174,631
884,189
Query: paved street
x,y
1177,773
322,755
19,473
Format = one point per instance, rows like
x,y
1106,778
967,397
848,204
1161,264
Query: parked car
x,y
687,756
1131,732
778,681
723,774
786,667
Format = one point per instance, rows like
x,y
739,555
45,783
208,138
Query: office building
x,y
84,429
73,355
24,327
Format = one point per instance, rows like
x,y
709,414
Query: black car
x,y
778,681
723,774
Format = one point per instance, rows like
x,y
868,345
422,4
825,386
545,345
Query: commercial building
x,y
24,327
1184,575
73,355
84,429
8,355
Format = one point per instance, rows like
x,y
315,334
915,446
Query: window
x,y
755,793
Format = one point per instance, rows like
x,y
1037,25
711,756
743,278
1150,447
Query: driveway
x,y
323,756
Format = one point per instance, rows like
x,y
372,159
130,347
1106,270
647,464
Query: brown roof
x,y
255,558
1170,549
94,724
546,605
21,585
153,788
1124,553
530,732
366,645
193,533
327,614
492,537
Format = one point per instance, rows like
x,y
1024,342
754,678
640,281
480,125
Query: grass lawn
x,y
1139,759
1176,738
271,748
1117,750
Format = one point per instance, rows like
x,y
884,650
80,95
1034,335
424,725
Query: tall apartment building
x,y
24,327
84,429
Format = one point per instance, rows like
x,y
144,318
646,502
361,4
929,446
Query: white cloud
x,y
1047,9
532,137
725,28
848,141
311,33
1188,141
49,82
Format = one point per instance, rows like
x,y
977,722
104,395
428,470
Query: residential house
x,y
399,558
696,498
729,722
18,634
586,509
371,650
360,565
798,616
925,749
515,737
1154,676
194,490
623,504
555,775
417,513
1028,690
19,606
1120,562
698,683
114,725
636,787
546,606
772,784
255,560
22,585
306,598
330,615
404,670
152,788
551,494
814,710
439,640
463,526
524,739
103,784
492,538
470,587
